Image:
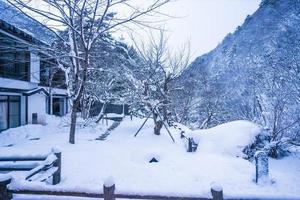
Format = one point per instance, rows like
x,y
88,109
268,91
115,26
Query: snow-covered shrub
x,y
263,142
278,149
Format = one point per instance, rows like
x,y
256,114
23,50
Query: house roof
x,y
54,92
25,23
37,90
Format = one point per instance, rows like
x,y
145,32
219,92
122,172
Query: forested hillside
x,y
254,74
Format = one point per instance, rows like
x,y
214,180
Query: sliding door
x,y
10,112
3,113
14,111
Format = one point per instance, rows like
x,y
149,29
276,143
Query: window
x,y
51,74
14,111
14,59
4,113
10,112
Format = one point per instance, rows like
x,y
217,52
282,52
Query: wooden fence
x,y
50,165
7,193
45,167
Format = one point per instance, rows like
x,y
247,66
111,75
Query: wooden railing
x,y
40,168
50,165
7,193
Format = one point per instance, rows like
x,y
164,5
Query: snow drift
x,y
229,138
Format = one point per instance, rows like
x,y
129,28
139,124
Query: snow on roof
x,y
4,177
34,91
55,91
25,23
16,84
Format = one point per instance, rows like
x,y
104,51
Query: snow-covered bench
x,y
40,168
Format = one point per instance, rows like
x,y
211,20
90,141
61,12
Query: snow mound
x,y
229,138
15,135
4,177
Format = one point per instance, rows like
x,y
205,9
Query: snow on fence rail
x,y
46,166
7,193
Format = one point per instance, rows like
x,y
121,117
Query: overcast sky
x,y
202,22
205,22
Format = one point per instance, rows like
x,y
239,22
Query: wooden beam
x,y
100,195
59,193
28,158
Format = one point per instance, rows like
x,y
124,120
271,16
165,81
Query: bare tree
x,y
160,68
85,22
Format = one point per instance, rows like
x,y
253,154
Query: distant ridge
x,y
227,82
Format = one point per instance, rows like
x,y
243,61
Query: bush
x,y
263,142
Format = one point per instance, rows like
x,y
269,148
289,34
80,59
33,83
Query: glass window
x,y
14,114
14,98
14,111
3,115
3,98
14,59
9,112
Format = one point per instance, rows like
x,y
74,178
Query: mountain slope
x,y
253,74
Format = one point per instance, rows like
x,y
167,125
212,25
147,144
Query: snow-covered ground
x,y
88,163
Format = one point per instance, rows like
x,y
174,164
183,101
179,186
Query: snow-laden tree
x,y
109,80
85,22
158,68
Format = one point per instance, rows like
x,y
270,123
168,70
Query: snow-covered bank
x,y
88,163
229,138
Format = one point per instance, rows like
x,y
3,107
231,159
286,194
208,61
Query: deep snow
x,y
88,164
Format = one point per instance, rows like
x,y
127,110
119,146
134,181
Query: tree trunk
x,y
157,124
157,128
73,123
165,113
166,100
76,101
102,112
75,107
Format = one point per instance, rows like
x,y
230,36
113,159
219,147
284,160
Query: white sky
x,y
204,22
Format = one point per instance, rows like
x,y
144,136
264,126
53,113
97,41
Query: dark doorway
x,y
58,106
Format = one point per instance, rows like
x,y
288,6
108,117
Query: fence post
x,y
190,145
261,166
57,175
109,189
217,192
5,194
109,192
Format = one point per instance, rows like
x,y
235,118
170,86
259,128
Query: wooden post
x,y
142,125
57,175
109,192
217,192
5,194
261,166
190,145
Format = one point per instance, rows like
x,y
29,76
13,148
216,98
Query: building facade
x,y
31,83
